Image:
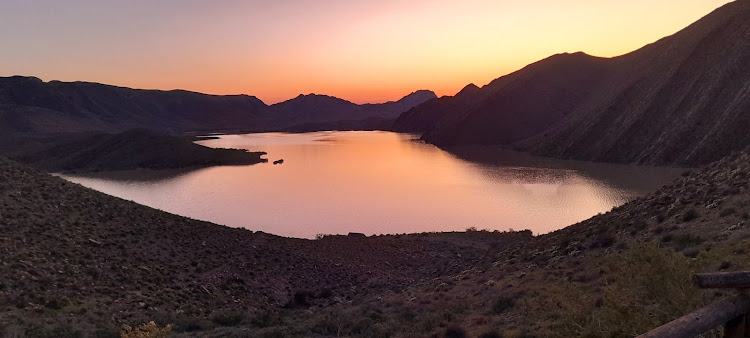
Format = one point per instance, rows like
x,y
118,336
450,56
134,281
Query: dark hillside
x,y
521,104
683,100
132,149
75,261
424,116
328,112
29,106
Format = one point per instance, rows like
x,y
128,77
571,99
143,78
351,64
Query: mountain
x,y
132,149
510,108
29,106
392,109
423,117
683,100
314,109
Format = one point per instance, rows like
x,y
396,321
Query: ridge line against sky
x,y
361,51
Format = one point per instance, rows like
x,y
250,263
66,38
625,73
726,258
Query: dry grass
x,y
77,262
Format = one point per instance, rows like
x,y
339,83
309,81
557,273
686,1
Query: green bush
x,y
649,287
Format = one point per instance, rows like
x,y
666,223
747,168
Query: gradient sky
x,y
363,51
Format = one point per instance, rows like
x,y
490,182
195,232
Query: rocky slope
x,y
78,262
510,108
683,100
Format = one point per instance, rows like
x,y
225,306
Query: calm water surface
x,y
381,182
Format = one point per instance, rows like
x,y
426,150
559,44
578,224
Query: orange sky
x,y
363,51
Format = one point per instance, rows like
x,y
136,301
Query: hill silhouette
x,y
134,149
328,111
682,100
31,107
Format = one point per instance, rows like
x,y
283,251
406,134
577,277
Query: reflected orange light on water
x,y
380,182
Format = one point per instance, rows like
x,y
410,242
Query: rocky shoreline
x,y
79,262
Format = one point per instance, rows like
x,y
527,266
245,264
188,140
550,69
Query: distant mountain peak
x,y
469,89
422,92
417,97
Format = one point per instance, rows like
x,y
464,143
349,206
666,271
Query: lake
x,y
383,183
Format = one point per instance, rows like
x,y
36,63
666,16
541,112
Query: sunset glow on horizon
x,y
362,51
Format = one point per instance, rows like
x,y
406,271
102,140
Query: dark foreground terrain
x,y
76,262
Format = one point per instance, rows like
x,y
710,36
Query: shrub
x,y
727,211
687,240
651,286
266,318
325,293
691,253
503,304
455,332
603,241
491,334
689,215
302,298
190,324
150,330
228,318
57,304
327,325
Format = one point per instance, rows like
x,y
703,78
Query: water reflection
x,y
380,182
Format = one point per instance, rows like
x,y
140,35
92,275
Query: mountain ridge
x,y
681,100
314,109
32,107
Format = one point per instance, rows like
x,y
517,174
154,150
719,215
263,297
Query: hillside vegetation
x,y
76,261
